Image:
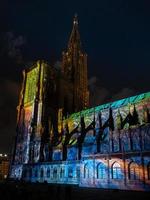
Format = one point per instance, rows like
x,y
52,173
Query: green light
x,y
31,84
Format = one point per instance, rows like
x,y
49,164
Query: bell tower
x,y
74,69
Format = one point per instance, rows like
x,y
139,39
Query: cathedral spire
x,y
74,68
74,39
75,20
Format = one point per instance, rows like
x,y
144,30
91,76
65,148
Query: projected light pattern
x,y
122,107
111,173
31,84
104,147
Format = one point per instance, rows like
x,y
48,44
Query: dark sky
x,y
115,34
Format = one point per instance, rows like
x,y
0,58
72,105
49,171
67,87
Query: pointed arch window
x,y
62,172
134,172
116,171
55,173
78,172
70,172
86,171
48,172
101,171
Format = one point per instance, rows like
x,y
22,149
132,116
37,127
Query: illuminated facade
x,y
107,146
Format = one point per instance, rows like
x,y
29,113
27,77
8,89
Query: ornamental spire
x,y
74,39
75,20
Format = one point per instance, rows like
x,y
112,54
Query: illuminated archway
x,y
62,172
134,172
86,171
70,172
102,171
48,172
55,173
116,171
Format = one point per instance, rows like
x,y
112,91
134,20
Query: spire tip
x,y
75,20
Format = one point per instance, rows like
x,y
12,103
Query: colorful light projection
x,y
31,85
30,112
116,173
130,109
122,160
124,106
27,132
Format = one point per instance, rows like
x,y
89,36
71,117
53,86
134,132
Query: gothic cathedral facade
x,y
59,139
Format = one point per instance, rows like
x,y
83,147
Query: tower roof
x,y
75,36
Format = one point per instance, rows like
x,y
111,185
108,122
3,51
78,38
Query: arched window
x,y
70,172
136,140
78,172
86,171
62,172
101,171
55,173
148,171
134,172
48,172
41,173
116,171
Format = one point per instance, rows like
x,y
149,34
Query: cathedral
x,y
61,140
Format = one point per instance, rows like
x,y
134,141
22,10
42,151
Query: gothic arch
x,y
86,171
125,142
116,171
55,173
48,172
102,171
134,171
78,172
70,172
135,140
62,172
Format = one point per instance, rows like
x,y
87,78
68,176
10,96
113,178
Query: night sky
x,y
115,34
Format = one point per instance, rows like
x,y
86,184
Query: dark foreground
x,y
27,191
